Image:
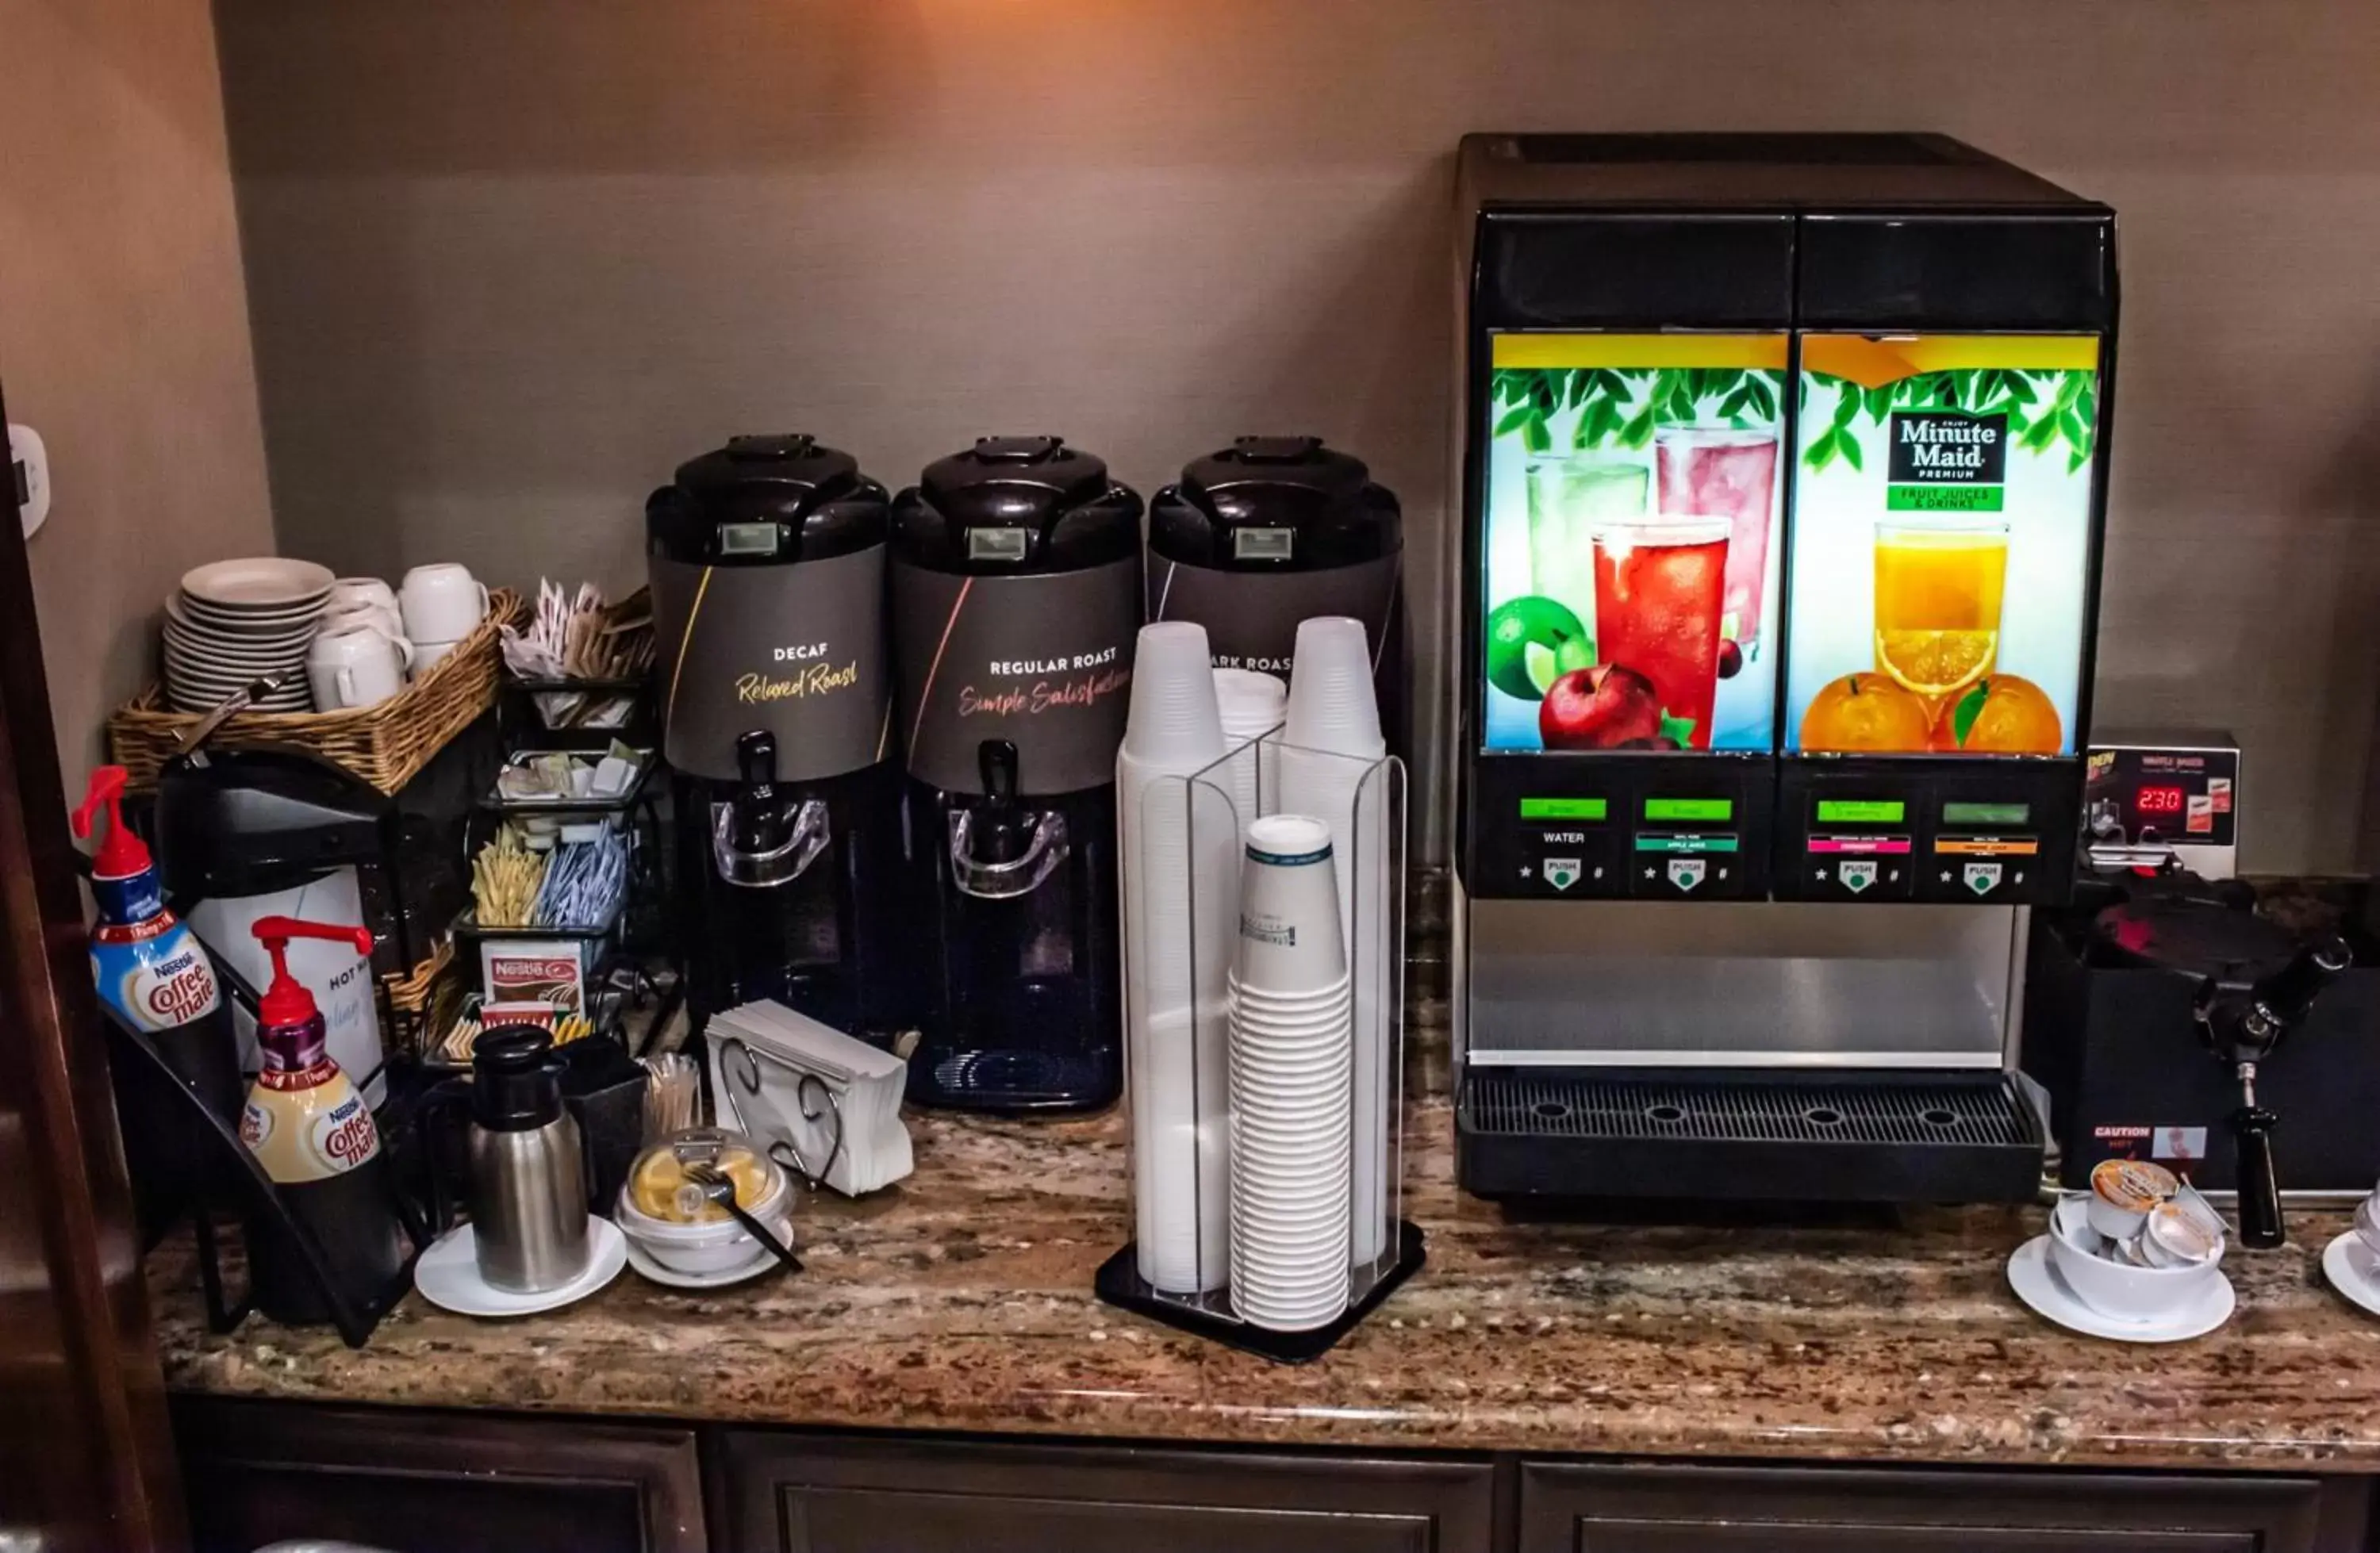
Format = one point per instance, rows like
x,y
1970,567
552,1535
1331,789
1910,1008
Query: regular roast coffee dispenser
x,y
1781,464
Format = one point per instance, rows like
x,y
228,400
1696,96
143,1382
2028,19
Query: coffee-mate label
x,y
301,1134
154,972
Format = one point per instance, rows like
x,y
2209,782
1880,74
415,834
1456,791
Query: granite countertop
x,y
961,1300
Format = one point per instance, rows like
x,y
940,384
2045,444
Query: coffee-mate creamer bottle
x,y
149,966
314,1135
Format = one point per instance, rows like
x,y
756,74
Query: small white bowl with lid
x,y
666,1215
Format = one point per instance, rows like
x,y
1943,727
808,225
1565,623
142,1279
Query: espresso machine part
x,y
1016,600
527,1167
2251,982
767,558
1273,531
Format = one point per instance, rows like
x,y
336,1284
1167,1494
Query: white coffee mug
x,y
429,655
370,617
350,591
442,602
354,668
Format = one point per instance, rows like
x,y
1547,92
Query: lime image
x,y
1533,642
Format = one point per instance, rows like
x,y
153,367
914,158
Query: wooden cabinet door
x,y
1588,1508
797,1494
424,1482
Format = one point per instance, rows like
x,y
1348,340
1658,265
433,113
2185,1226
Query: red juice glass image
x,y
1717,471
1659,589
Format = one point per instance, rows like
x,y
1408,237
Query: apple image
x,y
1607,706
1530,643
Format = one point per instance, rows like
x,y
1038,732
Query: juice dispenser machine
x,y
1783,465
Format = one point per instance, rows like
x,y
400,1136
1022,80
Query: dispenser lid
x,y
1286,500
658,1188
1017,503
233,824
516,1079
753,499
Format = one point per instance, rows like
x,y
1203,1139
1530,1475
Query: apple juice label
x,y
797,649
1634,496
1042,662
1941,542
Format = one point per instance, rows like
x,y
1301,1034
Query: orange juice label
x,y
1986,846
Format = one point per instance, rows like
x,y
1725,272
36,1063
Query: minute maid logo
x,y
1947,461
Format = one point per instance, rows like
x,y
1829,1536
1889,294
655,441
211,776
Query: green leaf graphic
x,y
1970,707
1679,728
1850,448
1515,420
1879,403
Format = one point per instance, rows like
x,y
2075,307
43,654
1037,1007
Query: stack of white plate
x,y
233,622
1292,1060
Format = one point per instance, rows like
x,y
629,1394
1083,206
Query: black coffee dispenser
x,y
1016,602
1273,531
767,559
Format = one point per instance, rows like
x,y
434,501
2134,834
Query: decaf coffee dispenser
x,y
1015,601
1273,531
767,559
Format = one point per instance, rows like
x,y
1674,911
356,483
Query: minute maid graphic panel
x,y
1941,543
1635,495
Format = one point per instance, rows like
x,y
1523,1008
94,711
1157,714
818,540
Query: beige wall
x,y
511,258
123,329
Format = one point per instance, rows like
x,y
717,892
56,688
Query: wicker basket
x,y
382,745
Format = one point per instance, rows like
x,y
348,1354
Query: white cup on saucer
x,y
348,592
442,602
358,667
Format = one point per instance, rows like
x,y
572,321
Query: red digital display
x,y
2159,800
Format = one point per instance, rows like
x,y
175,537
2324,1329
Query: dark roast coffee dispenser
x,y
767,559
1015,601
1273,531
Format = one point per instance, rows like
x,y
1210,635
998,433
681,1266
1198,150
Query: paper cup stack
x,y
1330,767
1291,1068
1177,858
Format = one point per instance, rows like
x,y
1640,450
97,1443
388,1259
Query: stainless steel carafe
x,y
528,1170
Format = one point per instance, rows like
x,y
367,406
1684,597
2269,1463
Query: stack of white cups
x,y
1179,889
1333,742
1253,704
1291,1069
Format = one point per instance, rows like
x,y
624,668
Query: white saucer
x,y
2038,1285
646,1267
447,1275
2354,1270
264,582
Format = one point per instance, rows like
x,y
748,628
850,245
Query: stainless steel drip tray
x,y
1875,1137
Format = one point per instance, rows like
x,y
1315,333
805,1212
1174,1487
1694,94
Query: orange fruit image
x,y
1865,712
2000,714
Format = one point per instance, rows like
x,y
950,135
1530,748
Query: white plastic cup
x,y
1290,938
1252,704
1332,702
1173,722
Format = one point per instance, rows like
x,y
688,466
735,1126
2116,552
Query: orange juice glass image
x,y
1938,603
1659,589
